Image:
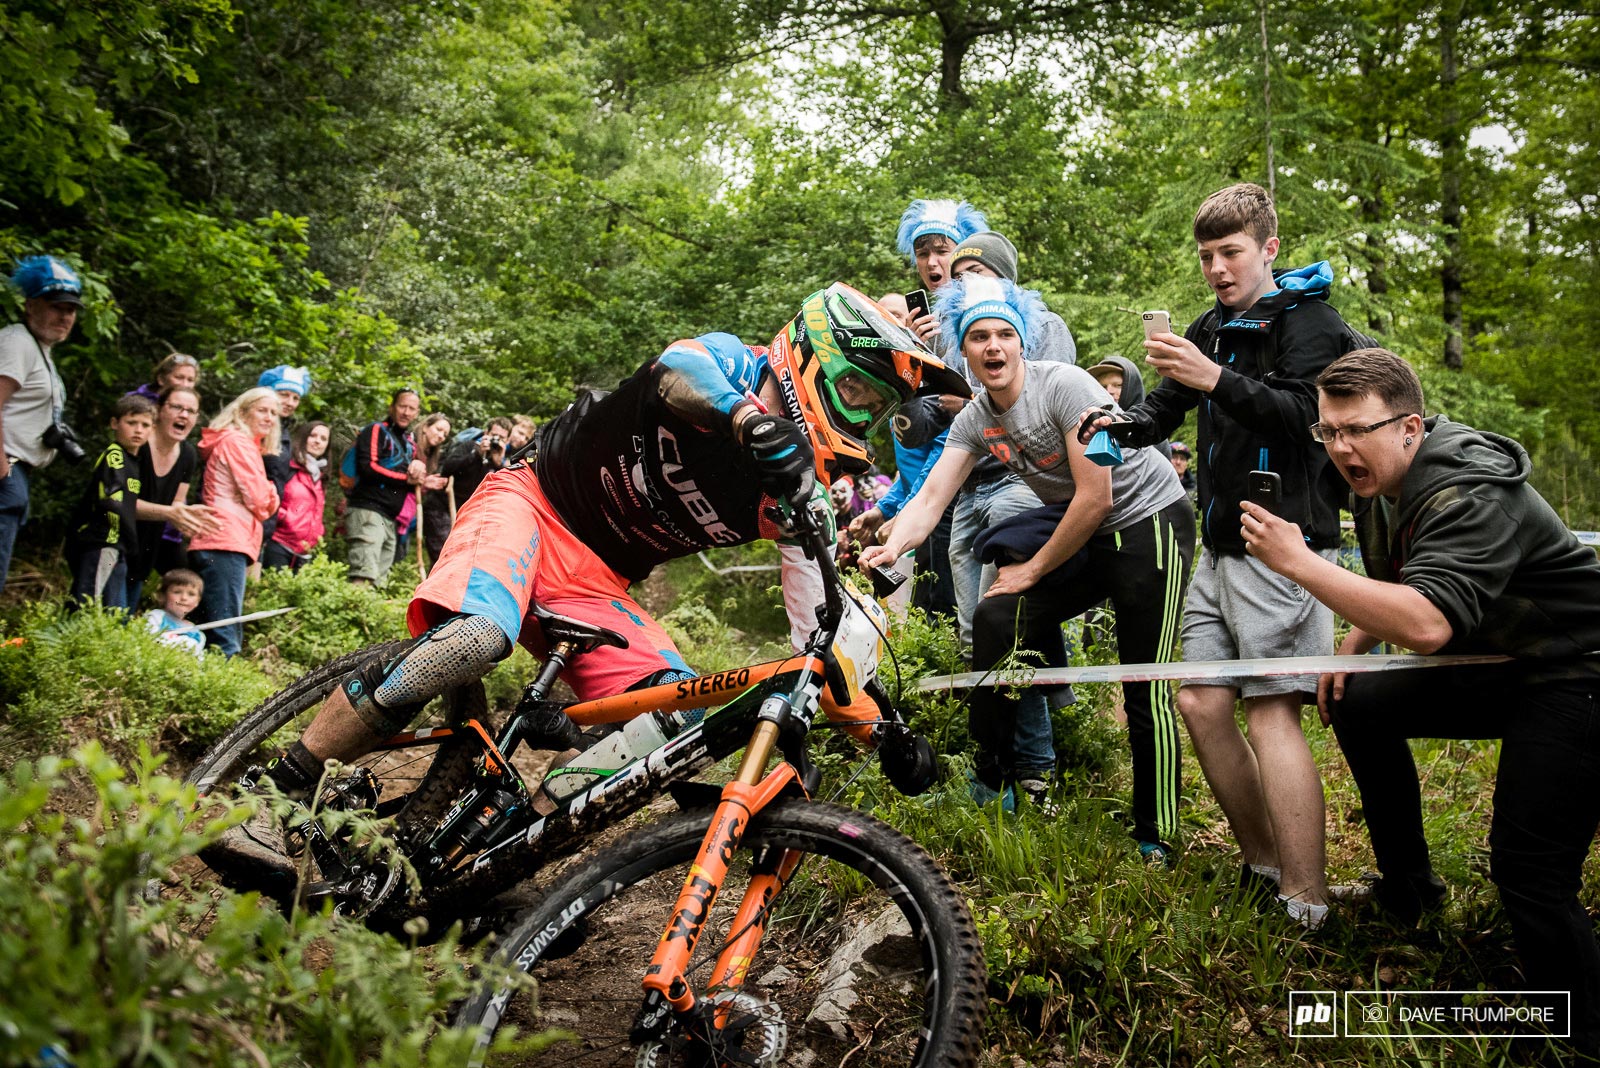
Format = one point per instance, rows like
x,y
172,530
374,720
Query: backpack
x,y
347,462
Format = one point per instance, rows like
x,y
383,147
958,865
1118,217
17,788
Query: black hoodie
x,y
1258,415
1471,535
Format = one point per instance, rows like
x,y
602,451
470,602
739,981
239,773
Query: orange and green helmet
x,y
843,366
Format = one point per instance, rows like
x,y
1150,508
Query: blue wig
x,y
955,219
37,276
974,296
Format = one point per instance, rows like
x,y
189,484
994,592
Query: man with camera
x,y
469,467
31,392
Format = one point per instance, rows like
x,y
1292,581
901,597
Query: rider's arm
x,y
705,379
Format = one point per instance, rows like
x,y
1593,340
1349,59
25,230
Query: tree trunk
x,y
1452,155
953,47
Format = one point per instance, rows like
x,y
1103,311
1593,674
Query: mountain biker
x,y
621,482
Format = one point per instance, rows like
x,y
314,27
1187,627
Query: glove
x,y
785,464
908,760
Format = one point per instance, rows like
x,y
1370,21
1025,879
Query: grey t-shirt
x,y
1030,439
29,411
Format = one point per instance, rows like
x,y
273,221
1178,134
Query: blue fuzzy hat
x,y
50,278
974,296
296,380
955,219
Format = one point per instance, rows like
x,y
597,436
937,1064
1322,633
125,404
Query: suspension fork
x,y
665,984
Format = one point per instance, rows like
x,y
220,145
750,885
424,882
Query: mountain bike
x,y
648,948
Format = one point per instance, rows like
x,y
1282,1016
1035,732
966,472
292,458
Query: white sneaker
x,y
1307,915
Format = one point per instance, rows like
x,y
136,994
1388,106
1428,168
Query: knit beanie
x,y
992,250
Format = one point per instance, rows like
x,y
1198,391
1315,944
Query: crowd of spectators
x,y
203,517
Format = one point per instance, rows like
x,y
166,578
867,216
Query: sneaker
x,y
1307,915
1037,791
982,794
253,854
1407,900
1156,855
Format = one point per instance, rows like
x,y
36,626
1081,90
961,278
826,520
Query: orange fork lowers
x,y
742,798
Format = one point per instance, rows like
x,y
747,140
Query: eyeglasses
x,y
1325,434
180,411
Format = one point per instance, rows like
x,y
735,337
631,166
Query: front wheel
x,y
870,956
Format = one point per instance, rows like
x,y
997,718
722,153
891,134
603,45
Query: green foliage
x,y
110,976
331,616
95,673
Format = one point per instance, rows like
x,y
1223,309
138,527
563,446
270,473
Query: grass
x,y
1094,959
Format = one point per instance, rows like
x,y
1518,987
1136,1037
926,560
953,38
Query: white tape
x,y
268,614
1203,669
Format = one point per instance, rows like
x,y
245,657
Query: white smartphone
x,y
1156,322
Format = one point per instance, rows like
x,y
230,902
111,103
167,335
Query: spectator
x,y
1180,463
105,536
1462,556
178,370
291,384
386,468
1122,380
1249,366
521,433
433,437
167,464
299,529
467,468
238,491
181,590
31,393
1130,524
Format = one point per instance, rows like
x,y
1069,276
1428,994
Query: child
x,y
105,536
180,593
299,526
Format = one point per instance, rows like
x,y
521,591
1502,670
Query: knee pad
x,y
387,694
689,716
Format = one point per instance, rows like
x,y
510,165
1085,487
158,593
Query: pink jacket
x,y
300,518
237,489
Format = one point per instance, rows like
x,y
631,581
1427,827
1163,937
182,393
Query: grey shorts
x,y
371,538
1240,609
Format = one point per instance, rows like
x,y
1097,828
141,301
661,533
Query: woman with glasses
x,y
178,371
167,463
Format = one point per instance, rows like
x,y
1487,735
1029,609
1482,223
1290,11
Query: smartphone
x,y
885,580
1266,489
917,302
1156,322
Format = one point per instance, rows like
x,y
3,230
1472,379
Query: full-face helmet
x,y
843,366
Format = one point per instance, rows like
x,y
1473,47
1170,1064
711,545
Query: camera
x,y
494,442
62,438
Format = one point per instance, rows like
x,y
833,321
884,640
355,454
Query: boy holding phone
x,y
1250,366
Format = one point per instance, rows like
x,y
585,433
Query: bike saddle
x,y
586,636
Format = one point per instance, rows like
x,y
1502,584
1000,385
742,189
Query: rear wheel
x,y
870,956
415,785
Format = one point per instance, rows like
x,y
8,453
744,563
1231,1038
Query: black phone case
x,y
1266,489
917,301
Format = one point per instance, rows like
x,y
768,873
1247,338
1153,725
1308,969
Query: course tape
x,y
1202,669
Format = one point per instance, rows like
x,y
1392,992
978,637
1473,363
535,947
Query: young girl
x,y
180,593
238,491
304,498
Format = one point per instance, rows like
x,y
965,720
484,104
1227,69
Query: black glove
x,y
908,760
785,463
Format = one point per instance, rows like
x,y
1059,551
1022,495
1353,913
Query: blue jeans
x,y
977,509
223,598
101,575
13,513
